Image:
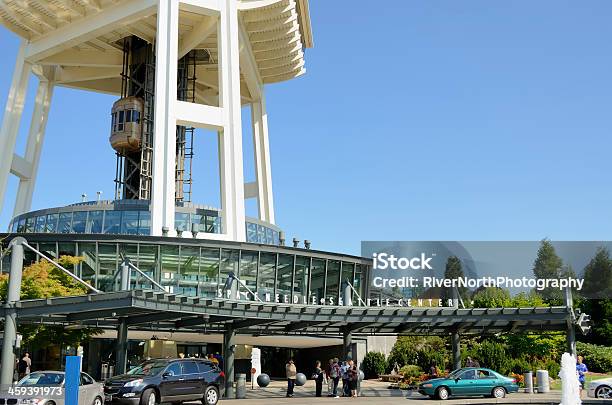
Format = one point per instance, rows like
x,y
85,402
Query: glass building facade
x,y
201,268
131,217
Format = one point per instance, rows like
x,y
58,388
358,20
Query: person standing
x,y
581,370
335,376
344,368
291,372
353,378
318,377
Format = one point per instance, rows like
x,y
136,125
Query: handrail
x,y
74,276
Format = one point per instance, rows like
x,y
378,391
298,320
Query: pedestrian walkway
x,y
275,394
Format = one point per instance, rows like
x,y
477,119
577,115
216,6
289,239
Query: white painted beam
x,y
25,191
205,7
199,115
164,142
261,151
89,27
230,139
12,117
79,74
248,65
205,29
85,58
20,167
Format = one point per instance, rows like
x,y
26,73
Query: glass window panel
x,y
317,281
197,221
21,225
300,283
108,264
251,232
130,251
79,219
65,222
13,226
267,272
112,222
189,270
88,266
248,272
181,221
213,224
333,277
261,234
144,223
284,277
169,268
148,262
40,224
67,249
229,264
347,277
128,116
49,249
94,222
51,225
129,223
30,224
269,236
209,273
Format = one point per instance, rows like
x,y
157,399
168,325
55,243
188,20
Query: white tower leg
x,y
230,139
164,140
261,147
12,118
23,203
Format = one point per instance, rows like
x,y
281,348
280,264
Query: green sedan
x,y
469,381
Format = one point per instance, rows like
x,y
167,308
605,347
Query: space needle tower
x,y
175,66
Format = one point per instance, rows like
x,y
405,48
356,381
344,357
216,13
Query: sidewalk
x,y
376,392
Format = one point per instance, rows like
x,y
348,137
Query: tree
x,y
492,297
373,364
598,275
454,271
549,266
44,280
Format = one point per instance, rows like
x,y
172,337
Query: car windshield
x,y
149,368
39,378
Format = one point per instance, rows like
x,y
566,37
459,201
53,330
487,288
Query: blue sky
x,y
424,120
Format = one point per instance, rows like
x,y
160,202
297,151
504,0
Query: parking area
x,y
375,392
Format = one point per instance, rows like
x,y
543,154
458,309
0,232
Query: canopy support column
x,y
229,346
122,340
456,343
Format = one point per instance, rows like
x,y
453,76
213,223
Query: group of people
x,y
335,371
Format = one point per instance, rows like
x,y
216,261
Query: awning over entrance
x,y
158,311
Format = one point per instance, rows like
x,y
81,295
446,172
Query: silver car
x,y
601,388
90,391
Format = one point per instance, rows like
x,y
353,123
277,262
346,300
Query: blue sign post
x,y
73,379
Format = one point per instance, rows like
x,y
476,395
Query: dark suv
x,y
166,380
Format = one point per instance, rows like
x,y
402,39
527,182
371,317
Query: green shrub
x,y
374,364
417,350
552,366
518,366
493,355
597,358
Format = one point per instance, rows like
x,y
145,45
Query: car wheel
x,y
498,392
97,401
148,397
604,392
442,393
211,396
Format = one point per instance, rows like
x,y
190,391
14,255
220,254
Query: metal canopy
x,y
158,311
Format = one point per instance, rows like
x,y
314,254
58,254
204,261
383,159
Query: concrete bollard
x,y
542,381
528,376
240,386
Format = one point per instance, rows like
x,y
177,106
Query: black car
x,y
166,380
